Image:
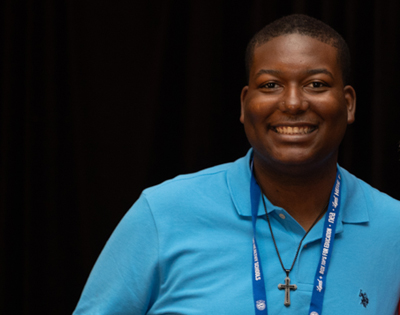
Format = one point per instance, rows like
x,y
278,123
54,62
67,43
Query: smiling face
x,y
295,109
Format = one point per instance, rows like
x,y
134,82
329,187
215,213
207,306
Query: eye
x,y
316,85
270,85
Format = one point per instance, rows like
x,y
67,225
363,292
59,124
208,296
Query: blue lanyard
x,y
317,298
260,298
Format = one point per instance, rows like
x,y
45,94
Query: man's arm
x,y
125,277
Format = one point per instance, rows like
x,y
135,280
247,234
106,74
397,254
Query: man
x,y
283,230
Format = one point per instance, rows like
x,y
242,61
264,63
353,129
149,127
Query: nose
x,y
293,102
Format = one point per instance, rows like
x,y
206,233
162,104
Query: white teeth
x,y
287,130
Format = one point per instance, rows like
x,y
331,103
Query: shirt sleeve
x,y
125,278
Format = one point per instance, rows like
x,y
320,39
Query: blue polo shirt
x,y
185,247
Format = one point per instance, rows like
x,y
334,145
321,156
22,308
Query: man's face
x,y
296,108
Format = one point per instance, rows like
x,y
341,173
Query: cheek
x,y
257,110
333,109
334,117
256,113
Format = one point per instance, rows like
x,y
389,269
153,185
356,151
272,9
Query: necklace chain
x,y
287,271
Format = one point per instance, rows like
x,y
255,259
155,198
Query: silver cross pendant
x,y
287,287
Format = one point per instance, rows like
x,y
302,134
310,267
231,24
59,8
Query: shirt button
x,y
282,216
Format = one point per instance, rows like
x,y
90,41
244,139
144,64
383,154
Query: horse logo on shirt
x,y
364,298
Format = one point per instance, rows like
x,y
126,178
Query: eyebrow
x,y
267,71
316,71
311,71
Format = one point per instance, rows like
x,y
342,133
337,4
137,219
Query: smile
x,y
288,130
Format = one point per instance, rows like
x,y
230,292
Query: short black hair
x,y
303,25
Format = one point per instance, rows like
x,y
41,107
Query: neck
x,y
302,191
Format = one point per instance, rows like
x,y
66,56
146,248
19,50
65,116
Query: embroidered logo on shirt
x,y
364,298
260,304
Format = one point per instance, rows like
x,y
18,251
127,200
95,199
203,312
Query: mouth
x,y
297,130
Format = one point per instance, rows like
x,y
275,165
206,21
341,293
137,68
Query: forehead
x,y
295,52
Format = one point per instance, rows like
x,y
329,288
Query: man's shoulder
x,y
210,178
188,179
375,199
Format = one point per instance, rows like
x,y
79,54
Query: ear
x,y
350,97
242,101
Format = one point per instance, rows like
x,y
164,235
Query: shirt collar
x,y
354,208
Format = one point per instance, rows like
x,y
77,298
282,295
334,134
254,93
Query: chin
x,y
305,161
294,157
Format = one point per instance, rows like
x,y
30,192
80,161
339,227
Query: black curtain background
x,y
100,100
